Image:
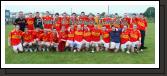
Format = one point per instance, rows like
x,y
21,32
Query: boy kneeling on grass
x,y
15,39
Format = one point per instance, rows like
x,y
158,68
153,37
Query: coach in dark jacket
x,y
115,38
21,21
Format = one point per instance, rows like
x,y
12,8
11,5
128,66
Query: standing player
x,y
96,33
21,21
91,22
28,39
115,38
106,21
15,39
73,19
135,39
38,22
105,38
125,43
57,22
83,19
48,21
65,20
78,39
142,26
98,20
30,22
87,37
70,38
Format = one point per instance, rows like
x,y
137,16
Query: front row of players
x,y
76,39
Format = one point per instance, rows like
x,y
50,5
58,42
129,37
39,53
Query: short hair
x,y
20,11
30,13
37,12
73,14
57,14
47,11
82,12
141,13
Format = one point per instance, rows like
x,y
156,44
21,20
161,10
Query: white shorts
x,y
54,44
123,46
114,45
17,47
78,44
134,44
45,43
70,43
87,44
106,45
94,43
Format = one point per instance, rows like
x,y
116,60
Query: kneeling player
x,y
45,37
15,39
135,39
96,33
105,38
125,43
28,39
78,39
115,38
54,39
70,38
87,37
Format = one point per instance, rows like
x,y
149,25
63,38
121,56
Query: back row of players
x,y
77,33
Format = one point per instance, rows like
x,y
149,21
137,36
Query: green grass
x,y
147,57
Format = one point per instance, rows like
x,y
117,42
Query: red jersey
x,y
124,36
45,37
106,36
48,22
15,37
106,20
107,26
91,27
63,35
142,24
37,34
87,35
83,20
74,20
134,35
54,37
96,35
127,19
71,35
78,35
28,36
30,23
133,21
65,22
57,23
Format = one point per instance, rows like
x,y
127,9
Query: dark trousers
x,y
142,38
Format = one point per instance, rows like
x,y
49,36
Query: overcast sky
x,y
120,9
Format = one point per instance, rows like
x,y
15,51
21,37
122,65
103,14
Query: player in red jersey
x,y
54,37
65,20
37,36
46,42
57,22
70,38
83,19
30,22
135,39
74,19
87,37
91,22
62,39
15,39
125,43
105,38
48,21
106,22
96,33
28,39
78,39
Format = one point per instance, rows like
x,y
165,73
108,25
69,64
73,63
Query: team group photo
x,y
80,34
